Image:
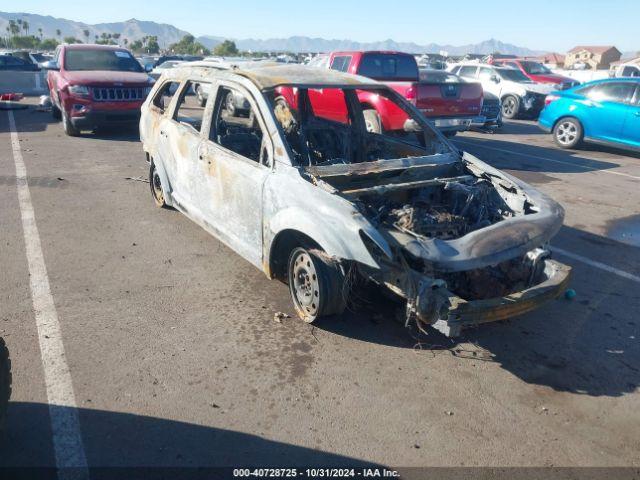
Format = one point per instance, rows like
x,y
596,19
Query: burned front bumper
x,y
463,314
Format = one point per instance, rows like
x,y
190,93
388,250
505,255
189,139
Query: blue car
x,y
604,111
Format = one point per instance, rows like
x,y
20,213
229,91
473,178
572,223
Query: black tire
x,y
55,112
450,134
155,184
372,121
316,284
202,100
510,107
68,127
568,133
5,382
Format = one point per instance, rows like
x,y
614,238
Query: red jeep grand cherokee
x,y
96,85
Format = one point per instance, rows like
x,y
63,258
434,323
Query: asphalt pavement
x,y
174,357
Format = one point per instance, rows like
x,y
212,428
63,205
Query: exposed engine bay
x,y
446,212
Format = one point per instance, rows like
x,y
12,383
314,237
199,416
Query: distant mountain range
x,y
167,34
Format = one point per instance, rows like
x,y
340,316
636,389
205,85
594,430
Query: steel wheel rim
x,y
567,133
229,103
306,287
157,187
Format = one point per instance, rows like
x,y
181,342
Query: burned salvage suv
x,y
303,189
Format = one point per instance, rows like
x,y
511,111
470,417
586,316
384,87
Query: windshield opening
x,y
513,75
535,68
329,126
107,60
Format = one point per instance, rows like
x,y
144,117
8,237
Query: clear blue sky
x,y
537,24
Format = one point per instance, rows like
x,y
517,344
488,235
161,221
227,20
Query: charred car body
x,y
316,201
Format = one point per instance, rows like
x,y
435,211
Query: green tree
x,y
40,33
49,44
152,45
25,27
71,40
86,34
58,33
226,49
189,46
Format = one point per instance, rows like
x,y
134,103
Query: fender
x,y
337,238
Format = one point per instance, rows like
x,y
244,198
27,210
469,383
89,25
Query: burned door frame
x,y
183,143
230,185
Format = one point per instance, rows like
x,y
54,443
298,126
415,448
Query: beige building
x,y
594,58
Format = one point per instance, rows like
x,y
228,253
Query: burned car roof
x,y
268,75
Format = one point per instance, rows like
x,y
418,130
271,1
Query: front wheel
x,y
316,284
68,127
202,100
568,133
5,381
510,107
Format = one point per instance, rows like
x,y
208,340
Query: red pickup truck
x,y
96,85
452,107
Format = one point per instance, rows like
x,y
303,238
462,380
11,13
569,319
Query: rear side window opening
x,y
163,96
384,66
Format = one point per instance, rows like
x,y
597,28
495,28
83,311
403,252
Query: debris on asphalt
x,y
138,179
450,413
279,316
570,294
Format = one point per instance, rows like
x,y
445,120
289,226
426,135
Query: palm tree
x,y
25,27
86,35
126,42
58,33
40,33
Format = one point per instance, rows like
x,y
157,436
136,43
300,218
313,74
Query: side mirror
x,y
51,65
148,68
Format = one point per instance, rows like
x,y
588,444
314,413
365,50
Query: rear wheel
x,y
568,133
202,100
5,381
229,104
510,107
316,284
156,186
372,121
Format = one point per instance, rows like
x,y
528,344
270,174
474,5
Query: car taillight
x,y
550,99
410,94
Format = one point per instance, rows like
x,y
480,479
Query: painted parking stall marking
x,y
65,425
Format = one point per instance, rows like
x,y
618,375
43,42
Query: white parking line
x,y
65,425
599,265
538,157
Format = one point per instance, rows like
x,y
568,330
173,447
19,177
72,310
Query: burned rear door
x,y
236,162
183,135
